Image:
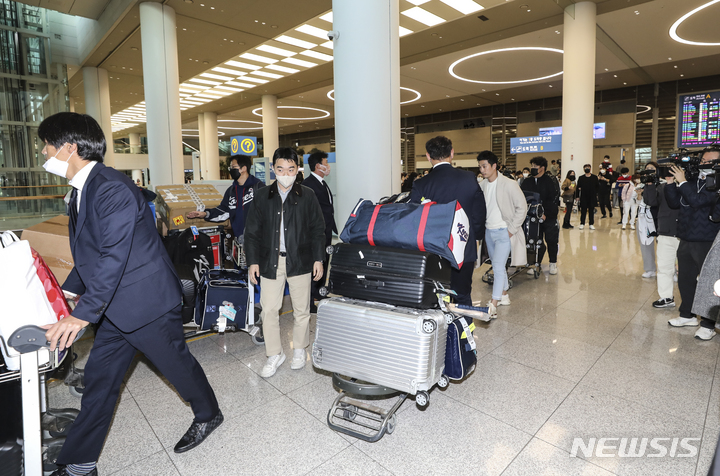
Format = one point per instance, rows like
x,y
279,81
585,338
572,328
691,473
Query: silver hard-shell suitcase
x,y
400,348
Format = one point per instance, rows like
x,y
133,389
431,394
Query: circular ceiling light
x,y
220,134
240,128
327,114
647,108
502,50
673,29
331,95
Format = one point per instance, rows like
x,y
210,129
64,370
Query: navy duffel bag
x,y
441,229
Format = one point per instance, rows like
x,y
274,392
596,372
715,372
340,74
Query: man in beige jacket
x,y
506,210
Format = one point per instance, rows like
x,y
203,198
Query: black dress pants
x,y
461,282
584,208
690,256
550,235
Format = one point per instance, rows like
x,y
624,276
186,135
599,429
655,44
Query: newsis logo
x,y
635,447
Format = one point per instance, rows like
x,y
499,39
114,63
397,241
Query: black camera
x,y
711,180
687,161
649,177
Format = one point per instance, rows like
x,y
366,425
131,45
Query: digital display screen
x,y
598,131
699,119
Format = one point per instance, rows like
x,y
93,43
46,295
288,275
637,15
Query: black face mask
x,y
572,177
235,174
587,171
533,172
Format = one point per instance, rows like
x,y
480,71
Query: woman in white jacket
x,y
506,211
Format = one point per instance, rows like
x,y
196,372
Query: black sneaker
x,y
666,302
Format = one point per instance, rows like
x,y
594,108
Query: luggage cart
x,y
533,242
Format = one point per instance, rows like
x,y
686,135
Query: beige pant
x,y
666,253
271,298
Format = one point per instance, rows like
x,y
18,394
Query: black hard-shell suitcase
x,y
224,293
389,275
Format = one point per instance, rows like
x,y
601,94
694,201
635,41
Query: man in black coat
x,y
587,189
444,184
604,186
319,169
549,190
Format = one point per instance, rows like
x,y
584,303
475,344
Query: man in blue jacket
x,y
237,199
126,285
444,184
696,233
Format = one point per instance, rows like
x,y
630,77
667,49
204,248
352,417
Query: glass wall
x,y
31,89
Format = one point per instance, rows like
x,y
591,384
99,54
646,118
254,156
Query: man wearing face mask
x,y
587,187
126,285
549,190
696,233
319,167
238,197
285,242
604,185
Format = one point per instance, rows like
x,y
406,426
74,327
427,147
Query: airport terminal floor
x,y
581,354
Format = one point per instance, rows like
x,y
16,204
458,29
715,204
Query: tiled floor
x,y
582,354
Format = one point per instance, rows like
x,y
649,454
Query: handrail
x,y
35,186
37,197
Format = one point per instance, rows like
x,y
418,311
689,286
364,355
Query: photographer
x,y
696,233
667,240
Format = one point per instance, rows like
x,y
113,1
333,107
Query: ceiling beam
x,y
615,49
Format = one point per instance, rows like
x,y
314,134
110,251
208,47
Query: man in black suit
x,y
319,169
444,184
126,285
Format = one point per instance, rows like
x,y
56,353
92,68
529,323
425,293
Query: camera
x,y
711,179
687,161
649,177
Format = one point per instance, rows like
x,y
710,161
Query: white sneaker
x,y
684,321
531,272
492,311
581,227
649,274
705,334
624,226
553,268
272,364
592,227
632,227
298,360
504,301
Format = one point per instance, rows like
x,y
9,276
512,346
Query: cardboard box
x,y
175,201
50,239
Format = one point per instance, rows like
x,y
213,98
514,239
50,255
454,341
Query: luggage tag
x,y
195,232
227,310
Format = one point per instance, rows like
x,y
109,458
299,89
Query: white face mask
x,y
526,175
286,180
325,169
56,166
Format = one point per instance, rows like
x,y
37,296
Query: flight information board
x,y
699,119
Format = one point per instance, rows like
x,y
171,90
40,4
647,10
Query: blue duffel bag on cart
x,y
460,353
441,229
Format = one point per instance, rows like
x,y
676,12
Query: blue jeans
x,y
498,245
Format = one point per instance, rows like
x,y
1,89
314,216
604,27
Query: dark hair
x,y
526,168
587,165
567,176
286,153
242,161
316,158
552,162
606,157
624,170
489,156
439,148
654,164
72,128
540,161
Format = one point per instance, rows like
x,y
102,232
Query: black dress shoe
x,y
63,472
197,433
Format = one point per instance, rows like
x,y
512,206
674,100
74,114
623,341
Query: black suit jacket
x,y
444,184
326,205
121,267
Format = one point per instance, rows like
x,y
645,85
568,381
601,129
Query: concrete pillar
x,y
137,174
162,95
201,138
134,143
367,101
271,137
97,105
211,162
578,110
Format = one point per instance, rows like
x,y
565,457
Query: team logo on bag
x,y
211,308
178,220
462,232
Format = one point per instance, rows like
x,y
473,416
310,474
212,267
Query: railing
x,y
25,201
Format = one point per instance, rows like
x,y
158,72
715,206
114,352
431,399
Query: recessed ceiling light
x,y
242,85
418,2
222,86
299,62
295,42
204,81
674,27
327,44
423,16
313,31
229,71
614,75
463,6
209,96
267,75
404,31
637,12
258,58
254,80
550,85
238,64
284,69
328,17
331,95
215,76
501,50
275,51
317,55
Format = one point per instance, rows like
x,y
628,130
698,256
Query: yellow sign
x,y
247,146
234,146
243,145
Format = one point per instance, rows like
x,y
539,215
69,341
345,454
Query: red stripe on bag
x,y
371,227
423,224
